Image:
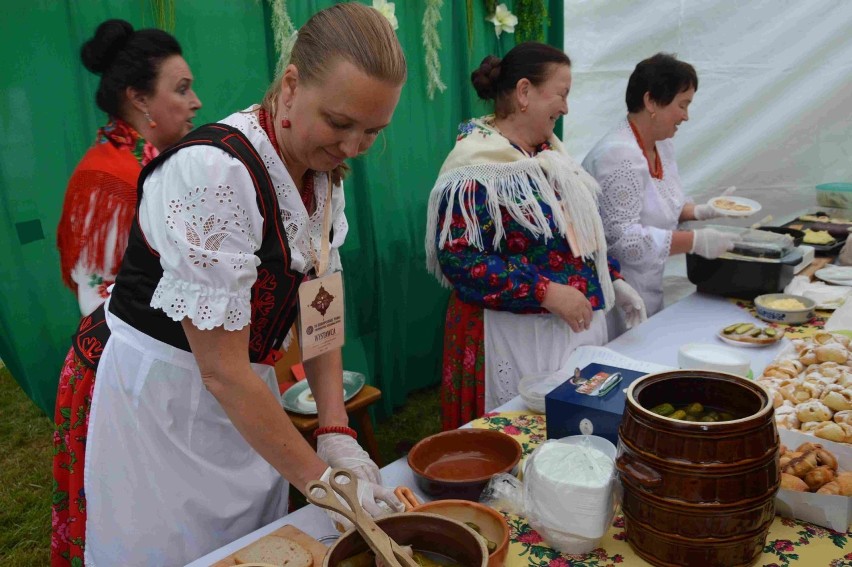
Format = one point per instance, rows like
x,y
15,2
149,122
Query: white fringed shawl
x,y
516,182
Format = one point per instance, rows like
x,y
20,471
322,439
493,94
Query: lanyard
x,y
321,263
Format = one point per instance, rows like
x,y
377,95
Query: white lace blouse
x,y
639,212
199,212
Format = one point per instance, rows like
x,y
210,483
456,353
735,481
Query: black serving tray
x,y
743,279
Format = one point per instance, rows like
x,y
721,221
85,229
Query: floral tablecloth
x,y
789,542
790,331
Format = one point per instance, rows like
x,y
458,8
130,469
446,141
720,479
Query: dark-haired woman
x,y
513,228
642,200
146,92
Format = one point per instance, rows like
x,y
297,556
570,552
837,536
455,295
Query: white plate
x,y
754,206
295,397
725,339
838,275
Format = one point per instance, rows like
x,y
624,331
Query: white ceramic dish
x,y
534,387
705,356
838,275
753,206
787,316
297,398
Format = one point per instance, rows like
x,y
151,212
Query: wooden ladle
x,y
382,545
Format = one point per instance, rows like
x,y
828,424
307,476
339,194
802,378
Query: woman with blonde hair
x,y
188,446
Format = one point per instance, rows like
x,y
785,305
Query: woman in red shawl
x,y
146,92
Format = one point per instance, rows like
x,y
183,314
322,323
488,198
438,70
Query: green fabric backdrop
x,y
395,310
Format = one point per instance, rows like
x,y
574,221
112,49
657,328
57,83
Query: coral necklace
x,y
307,192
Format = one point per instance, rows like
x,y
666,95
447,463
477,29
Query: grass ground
x,y
26,450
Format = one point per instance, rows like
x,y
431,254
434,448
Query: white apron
x,y
168,477
517,345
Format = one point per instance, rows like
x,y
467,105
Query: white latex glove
x,y
630,302
343,452
706,211
712,243
375,499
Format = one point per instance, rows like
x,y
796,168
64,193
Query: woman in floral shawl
x,y
146,91
513,228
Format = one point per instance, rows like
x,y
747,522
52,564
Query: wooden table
x,y
357,408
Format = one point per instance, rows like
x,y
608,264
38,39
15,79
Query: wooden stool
x,y
357,408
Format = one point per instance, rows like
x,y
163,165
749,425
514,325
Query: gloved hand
x,y
630,302
375,499
706,211
343,452
712,243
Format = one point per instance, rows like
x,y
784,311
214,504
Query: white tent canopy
x,y
773,112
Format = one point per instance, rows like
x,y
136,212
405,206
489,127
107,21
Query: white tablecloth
x,y
696,318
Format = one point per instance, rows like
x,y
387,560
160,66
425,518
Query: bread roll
x,y
277,551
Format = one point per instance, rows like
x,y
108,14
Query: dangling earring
x,y
285,123
150,120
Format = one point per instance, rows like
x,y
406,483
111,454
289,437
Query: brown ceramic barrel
x,y
698,493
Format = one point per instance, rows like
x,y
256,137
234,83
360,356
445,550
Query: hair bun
x,y
100,51
486,77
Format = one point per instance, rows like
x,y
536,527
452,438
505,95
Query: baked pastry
x,y
837,398
791,482
832,352
800,392
819,476
785,416
844,416
813,410
838,432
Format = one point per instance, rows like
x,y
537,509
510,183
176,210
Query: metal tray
x,y
822,249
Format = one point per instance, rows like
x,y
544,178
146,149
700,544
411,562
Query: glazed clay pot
x,y
698,493
459,463
424,532
492,525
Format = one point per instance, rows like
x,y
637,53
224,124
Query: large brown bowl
x,y
459,463
492,525
424,532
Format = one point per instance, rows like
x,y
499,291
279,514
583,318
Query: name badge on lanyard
x,y
321,301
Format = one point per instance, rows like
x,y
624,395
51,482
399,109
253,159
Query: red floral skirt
x,y
463,376
73,402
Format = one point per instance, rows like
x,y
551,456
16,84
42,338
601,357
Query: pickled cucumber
x,y
663,409
770,332
755,332
731,328
679,414
744,328
695,409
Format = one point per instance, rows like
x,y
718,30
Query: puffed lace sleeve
x,y
621,175
199,212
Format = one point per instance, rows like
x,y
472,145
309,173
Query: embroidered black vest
x,y
273,296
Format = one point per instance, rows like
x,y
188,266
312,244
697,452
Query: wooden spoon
x,y
382,545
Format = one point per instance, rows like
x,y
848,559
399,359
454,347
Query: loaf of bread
x,y
275,550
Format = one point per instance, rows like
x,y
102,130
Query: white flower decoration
x,y
503,20
387,9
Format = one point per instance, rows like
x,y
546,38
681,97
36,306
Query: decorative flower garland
x,y
431,46
283,32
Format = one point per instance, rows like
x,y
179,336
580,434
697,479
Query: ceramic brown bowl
x,y
422,531
459,463
492,526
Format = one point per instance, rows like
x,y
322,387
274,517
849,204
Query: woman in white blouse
x,y
188,446
642,201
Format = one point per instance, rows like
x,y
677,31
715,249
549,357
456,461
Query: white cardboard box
x,y
825,510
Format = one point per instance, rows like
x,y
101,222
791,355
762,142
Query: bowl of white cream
x,y
705,356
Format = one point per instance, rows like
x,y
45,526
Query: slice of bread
x,y
275,550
